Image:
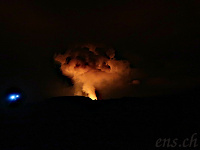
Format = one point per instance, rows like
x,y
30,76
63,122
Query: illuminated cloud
x,y
93,70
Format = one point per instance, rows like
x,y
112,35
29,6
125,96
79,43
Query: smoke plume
x,y
93,69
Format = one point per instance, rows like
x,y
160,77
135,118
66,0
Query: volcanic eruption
x,y
93,68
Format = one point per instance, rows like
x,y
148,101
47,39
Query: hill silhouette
x,y
78,122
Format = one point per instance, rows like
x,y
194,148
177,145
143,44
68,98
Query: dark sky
x,y
160,38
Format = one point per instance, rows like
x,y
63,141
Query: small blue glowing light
x,y
14,97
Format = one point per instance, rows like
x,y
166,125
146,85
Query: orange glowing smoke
x,y
91,68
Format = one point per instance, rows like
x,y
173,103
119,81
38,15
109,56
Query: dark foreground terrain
x,y
79,123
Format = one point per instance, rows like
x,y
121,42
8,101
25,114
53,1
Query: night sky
x,y
161,40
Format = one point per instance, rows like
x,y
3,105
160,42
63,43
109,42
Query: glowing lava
x,y
91,68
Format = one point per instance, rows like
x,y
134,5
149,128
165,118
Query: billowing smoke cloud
x,y
93,69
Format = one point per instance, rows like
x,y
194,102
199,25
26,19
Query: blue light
x,y
14,97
